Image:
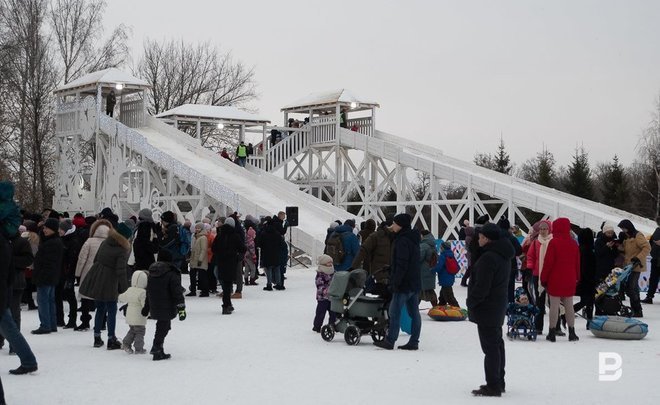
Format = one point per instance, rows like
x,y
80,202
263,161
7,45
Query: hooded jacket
x,y
635,246
136,298
107,277
145,244
23,258
375,254
89,249
199,258
605,255
426,249
587,284
351,247
48,261
369,228
164,291
404,268
487,298
561,265
444,278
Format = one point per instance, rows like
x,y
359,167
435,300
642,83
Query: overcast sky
x,y
454,75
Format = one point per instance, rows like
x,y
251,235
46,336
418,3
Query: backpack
x,y
334,248
433,260
185,240
451,265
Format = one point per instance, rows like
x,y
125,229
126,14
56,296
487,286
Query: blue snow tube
x,y
616,327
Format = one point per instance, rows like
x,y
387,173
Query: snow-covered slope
x,y
266,353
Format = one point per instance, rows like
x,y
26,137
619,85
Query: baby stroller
x,y
608,300
358,314
521,317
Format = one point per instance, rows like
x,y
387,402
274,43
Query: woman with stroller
x,y
635,249
560,274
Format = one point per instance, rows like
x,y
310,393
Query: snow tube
x,y
447,313
616,327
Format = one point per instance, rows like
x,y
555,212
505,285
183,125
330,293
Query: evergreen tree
x,y
614,185
502,161
540,170
484,160
578,181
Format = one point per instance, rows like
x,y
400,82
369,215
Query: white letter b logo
x,y
609,366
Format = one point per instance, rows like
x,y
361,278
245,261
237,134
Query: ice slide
x,y
580,211
249,192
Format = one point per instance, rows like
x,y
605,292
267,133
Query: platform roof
x,y
326,99
107,78
212,113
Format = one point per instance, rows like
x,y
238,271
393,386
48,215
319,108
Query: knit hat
x,y
10,215
608,226
65,226
325,264
403,220
491,231
79,221
482,220
124,230
31,226
106,213
52,224
168,216
199,226
230,221
145,214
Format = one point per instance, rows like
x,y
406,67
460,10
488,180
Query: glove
x,y
182,311
123,308
635,262
145,311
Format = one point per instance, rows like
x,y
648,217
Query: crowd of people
x,y
139,262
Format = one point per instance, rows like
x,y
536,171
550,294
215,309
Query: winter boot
x,y
113,343
647,300
551,335
204,294
83,327
161,355
227,310
572,337
237,296
487,391
559,332
98,342
191,294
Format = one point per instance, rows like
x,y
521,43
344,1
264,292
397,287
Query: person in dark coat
x,y
65,286
5,269
46,274
655,264
405,283
170,240
23,258
227,251
146,241
106,280
269,242
472,246
369,228
560,275
505,226
586,288
487,303
606,250
375,255
165,300
110,102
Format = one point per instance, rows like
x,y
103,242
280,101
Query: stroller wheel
x,y
377,335
327,333
352,335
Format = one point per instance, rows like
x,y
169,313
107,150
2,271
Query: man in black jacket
x,y
405,283
46,274
227,251
655,264
487,302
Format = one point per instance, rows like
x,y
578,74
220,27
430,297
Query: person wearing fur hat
x,y
106,279
405,283
487,304
324,272
65,287
46,273
97,234
635,249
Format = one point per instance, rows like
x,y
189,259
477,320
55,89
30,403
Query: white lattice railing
x,y
363,125
131,113
324,130
288,147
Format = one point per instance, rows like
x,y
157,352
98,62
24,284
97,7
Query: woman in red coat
x,y
560,275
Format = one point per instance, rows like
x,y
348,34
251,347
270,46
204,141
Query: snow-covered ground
x,y
266,353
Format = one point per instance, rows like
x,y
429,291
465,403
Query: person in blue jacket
x,y
445,280
350,242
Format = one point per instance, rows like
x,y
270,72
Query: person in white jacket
x,y
135,297
97,234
